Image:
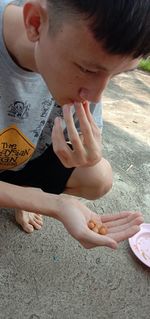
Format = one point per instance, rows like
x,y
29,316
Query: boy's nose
x,y
90,95
94,90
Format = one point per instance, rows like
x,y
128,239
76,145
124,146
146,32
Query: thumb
x,y
100,240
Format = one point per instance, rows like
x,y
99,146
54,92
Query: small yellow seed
x,y
103,230
99,229
91,224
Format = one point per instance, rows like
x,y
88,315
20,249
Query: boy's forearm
x,y
29,199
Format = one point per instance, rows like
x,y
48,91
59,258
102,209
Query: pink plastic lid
x,y
140,244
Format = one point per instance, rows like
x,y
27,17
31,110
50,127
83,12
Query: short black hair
x,y
123,26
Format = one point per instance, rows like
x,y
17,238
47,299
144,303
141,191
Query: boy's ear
x,y
34,16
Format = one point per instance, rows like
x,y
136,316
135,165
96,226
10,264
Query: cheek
x,y
47,67
75,79
38,56
72,83
57,72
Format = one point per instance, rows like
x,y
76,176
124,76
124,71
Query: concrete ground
x,y
48,275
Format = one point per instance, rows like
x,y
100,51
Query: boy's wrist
x,y
29,199
44,203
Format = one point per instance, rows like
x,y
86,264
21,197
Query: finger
x,y
72,131
136,221
86,106
117,217
60,147
125,234
95,129
84,125
91,142
122,219
57,132
88,245
95,239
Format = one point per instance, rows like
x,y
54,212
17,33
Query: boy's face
x,y
74,65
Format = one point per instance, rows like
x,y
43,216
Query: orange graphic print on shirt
x,y
15,148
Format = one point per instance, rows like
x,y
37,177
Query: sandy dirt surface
x,y
127,104
48,275
127,137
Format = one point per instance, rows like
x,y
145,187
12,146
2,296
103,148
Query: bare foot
x,y
28,221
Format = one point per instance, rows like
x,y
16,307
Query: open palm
x,y
75,217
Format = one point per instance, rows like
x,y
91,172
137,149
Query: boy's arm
x,y
73,214
28,199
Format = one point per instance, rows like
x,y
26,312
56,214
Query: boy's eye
x,y
84,70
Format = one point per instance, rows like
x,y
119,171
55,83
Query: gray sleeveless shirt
x,y
27,110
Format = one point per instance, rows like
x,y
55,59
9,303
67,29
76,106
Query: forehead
x,y
75,41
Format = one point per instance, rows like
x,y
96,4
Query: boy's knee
x,y
91,183
101,181
102,188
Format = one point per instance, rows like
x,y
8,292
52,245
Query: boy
x,y
56,56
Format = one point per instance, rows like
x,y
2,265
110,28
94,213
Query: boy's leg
x,y
91,182
48,173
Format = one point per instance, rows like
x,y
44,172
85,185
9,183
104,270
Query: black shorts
x,y
45,172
